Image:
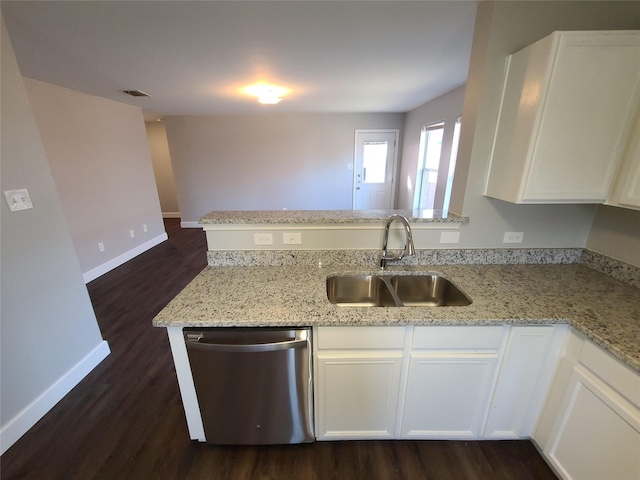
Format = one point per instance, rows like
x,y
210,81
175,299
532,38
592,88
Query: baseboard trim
x,y
29,416
190,225
120,259
170,214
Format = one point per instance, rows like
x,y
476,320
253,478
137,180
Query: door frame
x,y
394,172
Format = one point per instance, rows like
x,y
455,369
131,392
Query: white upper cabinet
x,y
565,116
626,189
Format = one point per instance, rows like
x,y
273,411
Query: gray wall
x,y
157,137
266,162
616,233
501,29
445,108
99,156
47,321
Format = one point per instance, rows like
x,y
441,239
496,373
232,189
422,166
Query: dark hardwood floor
x,y
125,419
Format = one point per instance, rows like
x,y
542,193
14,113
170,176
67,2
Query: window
x,y
428,164
452,164
374,162
434,177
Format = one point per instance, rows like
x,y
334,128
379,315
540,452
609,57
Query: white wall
x,y
266,162
501,29
99,157
445,108
157,137
50,337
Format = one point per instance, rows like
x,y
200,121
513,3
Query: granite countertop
x,y
325,216
604,309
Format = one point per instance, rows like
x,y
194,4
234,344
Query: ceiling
x,y
194,56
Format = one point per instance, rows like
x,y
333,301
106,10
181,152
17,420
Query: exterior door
x,y
374,169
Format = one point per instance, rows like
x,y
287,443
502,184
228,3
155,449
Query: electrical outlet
x,y
292,238
513,237
18,200
263,239
101,246
132,233
144,228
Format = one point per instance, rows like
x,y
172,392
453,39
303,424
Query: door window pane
x,y
374,162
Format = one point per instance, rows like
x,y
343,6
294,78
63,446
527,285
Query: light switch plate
x,y
513,237
18,199
292,238
449,237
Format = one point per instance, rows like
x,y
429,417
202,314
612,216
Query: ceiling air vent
x,y
136,93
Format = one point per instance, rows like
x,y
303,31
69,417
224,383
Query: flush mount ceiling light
x,y
266,93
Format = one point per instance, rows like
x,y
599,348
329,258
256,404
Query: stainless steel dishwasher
x,y
253,384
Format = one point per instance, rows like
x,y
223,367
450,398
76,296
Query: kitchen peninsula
x,y
326,216
537,316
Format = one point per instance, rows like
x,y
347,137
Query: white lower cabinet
x,y
358,372
526,370
358,394
451,373
447,395
579,403
434,382
596,432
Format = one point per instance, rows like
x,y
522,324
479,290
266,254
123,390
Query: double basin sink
x,y
429,290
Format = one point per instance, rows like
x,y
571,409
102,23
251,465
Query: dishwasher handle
x,y
299,341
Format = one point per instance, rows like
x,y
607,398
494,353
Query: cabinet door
x,y
520,389
586,112
597,434
357,394
447,394
626,189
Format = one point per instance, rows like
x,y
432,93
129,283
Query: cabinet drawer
x,y
612,371
360,337
458,337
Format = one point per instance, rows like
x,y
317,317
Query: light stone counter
x,y
604,309
285,217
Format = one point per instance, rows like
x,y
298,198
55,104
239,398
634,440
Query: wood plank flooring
x,y
125,419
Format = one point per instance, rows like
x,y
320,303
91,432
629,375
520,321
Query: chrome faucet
x,y
409,249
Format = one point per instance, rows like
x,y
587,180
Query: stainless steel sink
x,y
428,290
394,291
359,291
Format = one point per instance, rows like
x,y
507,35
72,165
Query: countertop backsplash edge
x,y
624,272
